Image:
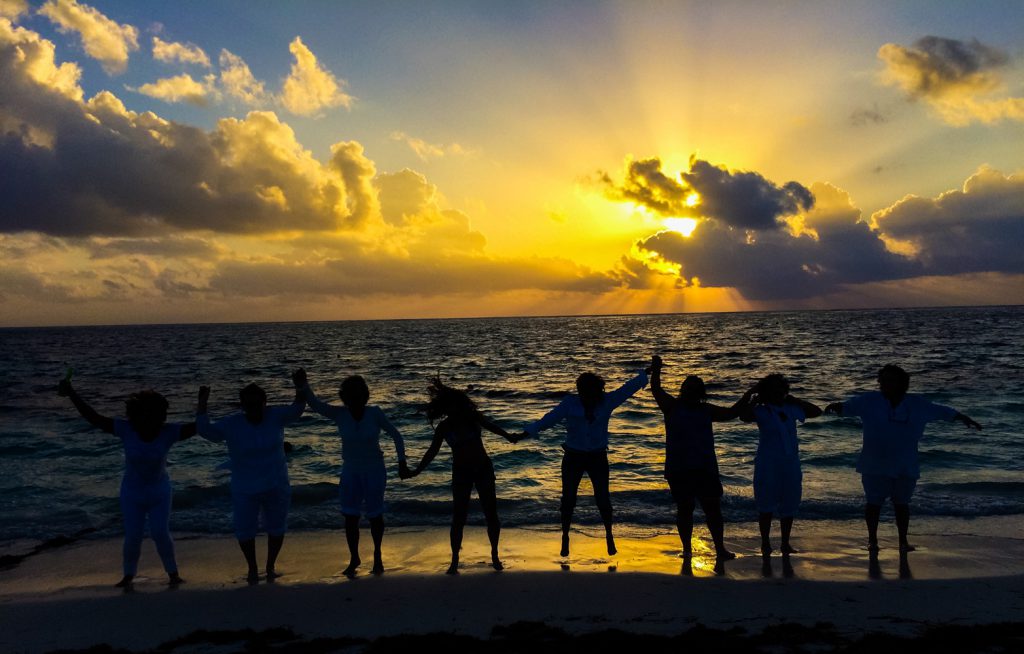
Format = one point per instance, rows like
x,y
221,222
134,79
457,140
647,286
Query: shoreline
x,y
956,580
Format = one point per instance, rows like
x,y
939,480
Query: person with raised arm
x,y
363,474
145,486
691,466
894,422
259,471
461,426
778,477
586,417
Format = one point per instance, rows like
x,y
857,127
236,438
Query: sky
x,y
256,161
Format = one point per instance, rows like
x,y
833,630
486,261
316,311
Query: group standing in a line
x,y
893,422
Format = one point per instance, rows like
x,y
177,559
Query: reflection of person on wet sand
x,y
894,422
777,474
691,466
259,470
460,426
146,487
363,474
586,418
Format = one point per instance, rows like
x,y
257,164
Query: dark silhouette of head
x,y
773,388
354,392
451,404
254,403
692,390
591,391
893,381
147,411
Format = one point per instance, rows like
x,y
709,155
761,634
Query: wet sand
x,y
63,597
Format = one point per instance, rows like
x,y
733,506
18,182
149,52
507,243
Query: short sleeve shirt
x,y
776,426
145,464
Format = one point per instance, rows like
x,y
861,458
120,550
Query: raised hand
x,y
204,398
299,378
967,421
656,363
64,387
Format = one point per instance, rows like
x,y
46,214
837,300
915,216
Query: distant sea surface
x,y
59,476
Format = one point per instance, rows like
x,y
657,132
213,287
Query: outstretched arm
x,y
746,413
836,408
722,414
298,405
396,436
627,390
810,410
663,399
492,427
551,418
188,430
318,405
204,427
435,447
966,420
95,419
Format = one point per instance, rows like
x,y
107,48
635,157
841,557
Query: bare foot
x,y
611,545
353,564
725,555
126,583
253,577
174,580
565,545
906,547
789,549
719,567
453,569
378,566
766,549
272,574
496,562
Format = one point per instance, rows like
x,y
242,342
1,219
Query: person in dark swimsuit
x,y
461,425
691,466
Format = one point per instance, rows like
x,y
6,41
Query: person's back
x,y
145,462
360,438
689,437
257,454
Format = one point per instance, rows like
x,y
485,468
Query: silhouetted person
x,y
259,472
586,418
363,474
777,474
691,466
460,426
894,422
145,487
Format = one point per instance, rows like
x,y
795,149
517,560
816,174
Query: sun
x,y
684,226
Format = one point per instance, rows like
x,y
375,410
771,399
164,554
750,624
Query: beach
x,y
64,598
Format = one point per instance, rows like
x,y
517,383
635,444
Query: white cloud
x,y
309,88
13,8
186,53
426,151
180,88
237,80
103,39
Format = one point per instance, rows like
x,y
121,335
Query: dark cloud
x,y
76,168
865,116
936,65
738,198
180,247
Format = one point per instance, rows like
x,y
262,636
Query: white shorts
x,y
274,505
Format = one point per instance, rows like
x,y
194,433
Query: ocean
x,y
60,477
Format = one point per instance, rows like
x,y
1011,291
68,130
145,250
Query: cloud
x,y
865,116
426,151
977,229
737,198
309,88
185,53
173,247
103,39
237,80
180,88
78,168
956,78
13,8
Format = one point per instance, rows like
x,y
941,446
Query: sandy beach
x,y
63,598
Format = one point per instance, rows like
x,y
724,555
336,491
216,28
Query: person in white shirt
x,y
777,475
145,487
586,417
363,474
259,470
894,422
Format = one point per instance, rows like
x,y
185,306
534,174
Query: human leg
x,y
160,530
134,514
486,490
462,487
597,470
573,467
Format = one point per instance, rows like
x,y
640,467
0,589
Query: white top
x,y
257,451
776,426
891,433
360,439
580,434
145,464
